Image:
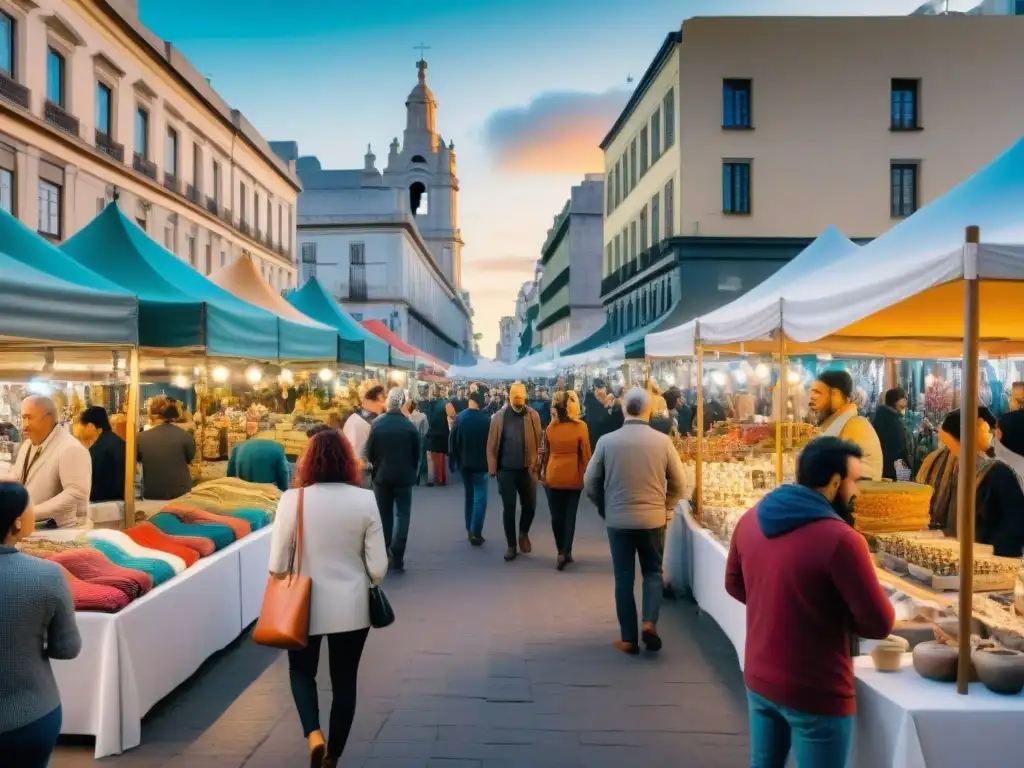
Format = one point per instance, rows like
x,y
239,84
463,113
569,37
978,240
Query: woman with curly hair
x,y
343,552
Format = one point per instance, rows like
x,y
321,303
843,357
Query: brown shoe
x,y
650,637
510,554
330,762
317,749
524,544
625,647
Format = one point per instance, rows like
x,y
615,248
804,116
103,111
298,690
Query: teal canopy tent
x,y
178,307
38,307
357,345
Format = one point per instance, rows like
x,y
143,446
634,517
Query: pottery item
x,y
936,661
888,654
914,632
1000,669
951,626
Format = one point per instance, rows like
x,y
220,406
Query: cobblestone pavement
x,y
489,664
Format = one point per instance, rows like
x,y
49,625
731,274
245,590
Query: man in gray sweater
x,y
636,477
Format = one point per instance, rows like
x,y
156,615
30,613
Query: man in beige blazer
x,y
51,463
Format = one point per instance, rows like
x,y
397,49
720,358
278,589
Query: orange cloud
x,y
556,133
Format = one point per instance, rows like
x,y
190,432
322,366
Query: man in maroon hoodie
x,y
808,582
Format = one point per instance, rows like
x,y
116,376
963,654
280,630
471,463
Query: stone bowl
x,y
1000,670
936,661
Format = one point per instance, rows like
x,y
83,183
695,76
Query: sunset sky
x,y
525,88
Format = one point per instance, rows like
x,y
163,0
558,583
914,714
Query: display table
x,y
132,659
906,721
254,568
706,563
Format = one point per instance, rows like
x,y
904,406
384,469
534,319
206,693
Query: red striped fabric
x,y
148,535
93,566
189,513
94,597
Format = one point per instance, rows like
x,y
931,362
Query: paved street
x,y
489,664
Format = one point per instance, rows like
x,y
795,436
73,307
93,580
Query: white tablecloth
x,y
132,659
906,721
706,561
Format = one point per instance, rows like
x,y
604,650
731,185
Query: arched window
x,y
418,159
418,203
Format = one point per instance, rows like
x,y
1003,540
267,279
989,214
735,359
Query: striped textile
x,y
94,597
94,567
219,535
192,514
149,536
158,569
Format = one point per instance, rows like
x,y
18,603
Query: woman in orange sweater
x,y
563,461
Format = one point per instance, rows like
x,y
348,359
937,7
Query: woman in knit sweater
x,y
37,623
563,461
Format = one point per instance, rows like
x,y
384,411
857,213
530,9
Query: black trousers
x,y
394,503
563,505
344,649
513,483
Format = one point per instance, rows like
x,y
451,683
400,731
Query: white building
x,y
93,104
527,311
508,340
387,244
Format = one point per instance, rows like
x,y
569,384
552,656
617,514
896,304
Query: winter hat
x,y
396,398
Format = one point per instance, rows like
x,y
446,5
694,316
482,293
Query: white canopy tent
x,y
755,313
483,370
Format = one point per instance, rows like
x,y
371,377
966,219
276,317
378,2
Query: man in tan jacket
x,y
513,455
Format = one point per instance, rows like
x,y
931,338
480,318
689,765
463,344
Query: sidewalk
x,y
490,664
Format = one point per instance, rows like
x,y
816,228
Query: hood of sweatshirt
x,y
789,507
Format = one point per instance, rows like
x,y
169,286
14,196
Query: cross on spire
x,y
421,48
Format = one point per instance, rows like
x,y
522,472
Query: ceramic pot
x,y
1000,669
887,658
951,626
1008,638
936,661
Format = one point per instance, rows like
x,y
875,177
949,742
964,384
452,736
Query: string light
x,y
326,375
220,374
254,375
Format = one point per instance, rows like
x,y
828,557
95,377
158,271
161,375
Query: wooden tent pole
x,y
782,393
130,435
968,455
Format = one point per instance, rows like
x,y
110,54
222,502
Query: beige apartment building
x,y
94,106
747,137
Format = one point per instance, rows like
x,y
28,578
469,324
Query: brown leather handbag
x,y
284,617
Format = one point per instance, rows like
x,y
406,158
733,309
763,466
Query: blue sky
x,y
333,76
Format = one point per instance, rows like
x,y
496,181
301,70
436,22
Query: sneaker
x,y
476,540
398,564
524,543
652,641
510,554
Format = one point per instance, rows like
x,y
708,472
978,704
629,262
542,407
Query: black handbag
x,y
381,613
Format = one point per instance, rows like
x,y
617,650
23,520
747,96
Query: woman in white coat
x,y
342,553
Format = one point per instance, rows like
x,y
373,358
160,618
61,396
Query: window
x,y
655,136
280,224
618,183
632,240
241,202
669,289
643,229
656,219
632,165
618,251
270,218
904,105
308,261
736,187
644,144
664,296
223,258
190,247
104,100
49,208
670,208
215,178
209,258
669,108
6,44
54,77
169,237
625,174
256,209
610,184
6,191
357,253
197,166
607,259
736,104
171,153
904,189
142,133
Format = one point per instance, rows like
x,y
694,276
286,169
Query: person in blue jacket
x,y
260,461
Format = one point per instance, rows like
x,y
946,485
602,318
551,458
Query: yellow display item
x,y
883,507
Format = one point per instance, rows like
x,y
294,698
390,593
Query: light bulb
x,y
718,378
793,377
740,377
286,376
40,388
254,375
326,375
763,372
180,382
220,374
670,379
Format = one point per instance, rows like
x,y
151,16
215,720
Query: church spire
x,y
420,110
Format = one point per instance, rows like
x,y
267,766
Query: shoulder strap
x,y
298,532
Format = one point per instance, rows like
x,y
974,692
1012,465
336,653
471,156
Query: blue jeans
x,y
394,502
476,500
629,545
821,741
31,745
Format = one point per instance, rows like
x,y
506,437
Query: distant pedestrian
x,y
564,461
37,623
419,420
636,478
357,425
438,430
808,582
393,450
595,412
513,456
469,453
343,552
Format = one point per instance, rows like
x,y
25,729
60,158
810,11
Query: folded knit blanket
x,y
158,569
132,548
191,514
257,518
219,535
94,597
94,567
149,536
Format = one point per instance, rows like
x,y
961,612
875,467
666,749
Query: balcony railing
x,y
212,206
243,227
225,214
257,235
193,194
172,183
144,165
56,116
14,92
108,146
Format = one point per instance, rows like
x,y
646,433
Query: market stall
x,y
421,359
